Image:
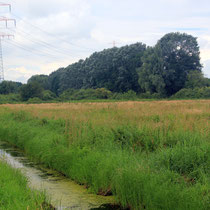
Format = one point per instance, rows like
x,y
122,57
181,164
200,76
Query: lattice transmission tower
x,y
3,35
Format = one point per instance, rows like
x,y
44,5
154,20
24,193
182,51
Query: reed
x,y
152,155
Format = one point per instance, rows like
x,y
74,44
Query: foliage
x,y
41,79
34,100
31,90
149,95
196,79
7,87
129,95
48,95
151,73
55,81
73,94
113,69
10,98
99,93
129,72
166,66
184,93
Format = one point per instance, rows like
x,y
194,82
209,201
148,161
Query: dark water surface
x,y
64,193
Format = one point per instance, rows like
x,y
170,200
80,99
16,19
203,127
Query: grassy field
x,y
150,155
15,193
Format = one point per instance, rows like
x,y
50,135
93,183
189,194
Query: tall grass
x,y
152,155
15,193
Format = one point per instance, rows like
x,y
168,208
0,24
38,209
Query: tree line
x,y
163,70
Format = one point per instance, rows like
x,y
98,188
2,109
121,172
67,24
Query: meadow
x,y
149,155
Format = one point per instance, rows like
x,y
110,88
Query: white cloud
x,y
18,74
92,25
204,41
206,69
205,54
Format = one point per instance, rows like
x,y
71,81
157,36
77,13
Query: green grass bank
x,y
15,193
145,167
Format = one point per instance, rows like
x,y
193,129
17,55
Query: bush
x,y
34,100
148,95
48,95
103,93
203,92
10,98
129,95
72,94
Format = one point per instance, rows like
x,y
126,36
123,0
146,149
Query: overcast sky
x,y
55,33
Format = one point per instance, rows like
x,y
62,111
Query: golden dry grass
x,y
186,114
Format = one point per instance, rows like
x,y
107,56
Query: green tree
x,y
31,90
7,87
196,79
55,80
165,70
151,73
41,79
113,69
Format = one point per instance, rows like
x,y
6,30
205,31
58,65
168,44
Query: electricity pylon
x,y
113,43
3,36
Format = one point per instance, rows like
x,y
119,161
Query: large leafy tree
x,y
166,66
7,87
41,79
113,69
55,80
151,73
31,90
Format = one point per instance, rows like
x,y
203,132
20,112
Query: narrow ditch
x,y
63,193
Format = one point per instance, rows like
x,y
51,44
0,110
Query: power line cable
x,y
44,45
52,35
19,45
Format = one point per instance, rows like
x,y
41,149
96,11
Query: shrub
x,y
203,92
72,94
10,98
34,100
48,95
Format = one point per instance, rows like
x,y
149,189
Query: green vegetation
x,y
162,69
185,93
113,69
41,79
166,65
8,87
72,94
31,90
152,155
10,98
130,72
15,193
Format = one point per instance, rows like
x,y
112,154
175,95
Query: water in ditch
x,y
63,193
